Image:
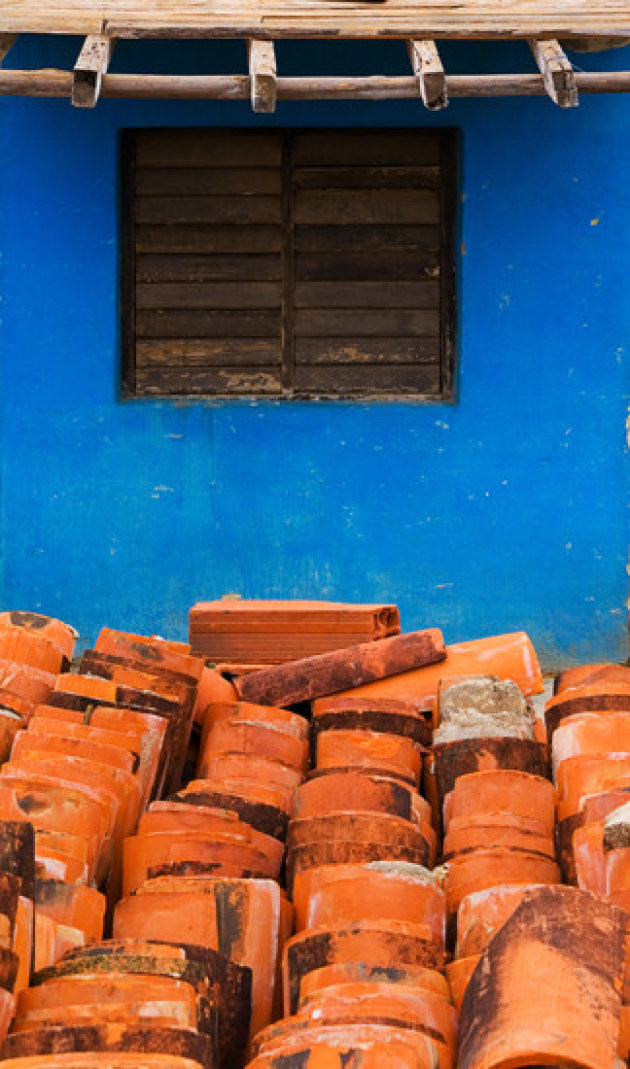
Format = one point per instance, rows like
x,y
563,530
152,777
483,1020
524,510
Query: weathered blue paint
x,y
505,510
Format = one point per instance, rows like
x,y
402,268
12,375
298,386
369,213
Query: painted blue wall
x,y
506,510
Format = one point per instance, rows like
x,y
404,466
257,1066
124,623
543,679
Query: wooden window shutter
x,y
298,264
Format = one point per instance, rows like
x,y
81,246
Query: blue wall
x,y
505,510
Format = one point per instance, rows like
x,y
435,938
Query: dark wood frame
x,y
449,154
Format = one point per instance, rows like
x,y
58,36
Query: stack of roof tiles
x,y
261,854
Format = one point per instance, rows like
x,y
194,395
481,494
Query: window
x,y
298,264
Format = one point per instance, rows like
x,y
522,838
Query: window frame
x,y
449,142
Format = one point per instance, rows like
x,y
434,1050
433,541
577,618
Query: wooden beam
x,y
262,73
428,69
58,83
558,74
89,69
7,40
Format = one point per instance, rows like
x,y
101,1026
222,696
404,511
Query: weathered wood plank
x,y
201,352
410,264
337,380
58,83
218,209
276,18
405,294
428,69
365,324
91,65
558,74
199,324
228,268
207,181
211,381
367,351
392,239
262,73
214,148
366,206
211,295
208,240
366,178
7,40
390,149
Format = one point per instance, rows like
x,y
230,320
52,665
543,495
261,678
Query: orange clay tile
x,y
592,734
581,776
596,807
262,740
26,743
352,666
22,943
415,977
547,989
376,1055
119,790
212,687
57,712
59,1001
362,827
74,905
362,1035
509,656
29,648
516,794
458,974
309,856
177,816
617,870
145,733
481,869
139,1040
145,854
11,725
227,985
240,918
51,805
56,631
482,913
263,807
370,942
463,757
61,856
334,1011
591,675
282,720
356,1001
52,940
27,682
152,652
232,766
269,851
7,1010
623,1045
358,791
143,744
13,703
370,749
483,837
97,690
335,895
598,697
